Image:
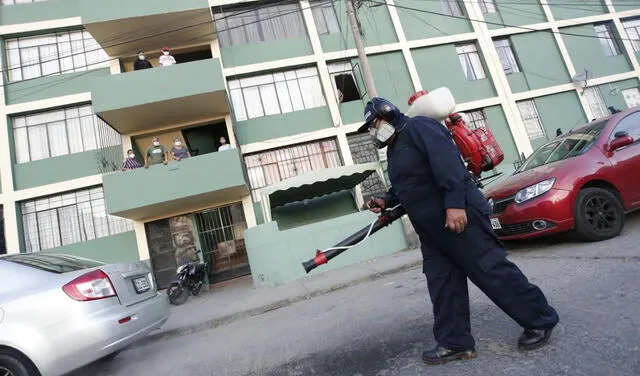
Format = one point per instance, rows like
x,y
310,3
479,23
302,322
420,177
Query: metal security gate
x,y
221,233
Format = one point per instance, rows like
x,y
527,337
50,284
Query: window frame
x,y
594,92
337,68
514,64
633,24
447,7
477,116
533,110
607,39
488,6
468,52
318,11
622,92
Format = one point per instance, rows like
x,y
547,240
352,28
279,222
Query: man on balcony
x,y
156,154
130,163
178,151
142,62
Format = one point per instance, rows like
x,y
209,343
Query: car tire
x,y
15,364
599,214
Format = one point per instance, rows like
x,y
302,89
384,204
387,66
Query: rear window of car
x,y
52,263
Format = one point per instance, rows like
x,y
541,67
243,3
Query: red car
x,y
582,181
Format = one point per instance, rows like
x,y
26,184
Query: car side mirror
x,y
620,142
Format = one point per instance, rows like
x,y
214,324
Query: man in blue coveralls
x,y
450,216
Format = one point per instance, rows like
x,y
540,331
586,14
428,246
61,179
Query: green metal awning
x,y
315,184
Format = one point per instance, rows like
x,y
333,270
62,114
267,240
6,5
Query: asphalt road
x,y
382,327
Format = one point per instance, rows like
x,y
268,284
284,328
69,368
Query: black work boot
x,y
441,355
532,339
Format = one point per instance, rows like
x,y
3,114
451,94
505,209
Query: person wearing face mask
x,y
451,217
142,62
178,151
130,163
166,59
223,144
156,154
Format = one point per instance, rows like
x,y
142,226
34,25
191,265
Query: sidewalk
x,y
238,299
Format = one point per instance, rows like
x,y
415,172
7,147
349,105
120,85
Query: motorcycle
x,y
189,280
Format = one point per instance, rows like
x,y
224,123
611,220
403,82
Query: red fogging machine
x,y
478,148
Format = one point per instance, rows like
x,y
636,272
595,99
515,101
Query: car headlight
x,y
534,191
491,203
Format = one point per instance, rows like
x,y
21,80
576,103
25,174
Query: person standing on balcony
x,y
178,151
156,154
130,163
223,144
166,59
142,62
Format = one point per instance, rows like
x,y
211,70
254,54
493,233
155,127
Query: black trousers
x,y
477,254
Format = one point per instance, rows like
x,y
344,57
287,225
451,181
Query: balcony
x,y
162,191
124,27
153,98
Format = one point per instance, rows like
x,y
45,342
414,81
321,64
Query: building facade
x,y
281,82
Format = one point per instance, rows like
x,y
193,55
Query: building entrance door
x,y
221,233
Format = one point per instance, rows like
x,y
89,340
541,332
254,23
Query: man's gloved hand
x,y
456,220
376,204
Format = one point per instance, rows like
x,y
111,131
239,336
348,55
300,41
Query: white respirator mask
x,y
382,135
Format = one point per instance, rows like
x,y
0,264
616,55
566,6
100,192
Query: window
x,y
325,18
276,93
631,96
68,218
632,27
487,6
476,119
344,83
44,55
451,7
631,125
60,132
363,151
606,36
531,119
272,166
470,61
596,103
11,2
261,25
507,58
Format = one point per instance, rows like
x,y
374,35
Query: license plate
x,y
141,284
495,223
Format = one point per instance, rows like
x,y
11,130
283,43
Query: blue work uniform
x,y
428,176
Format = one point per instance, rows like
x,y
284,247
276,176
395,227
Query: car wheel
x,y
599,214
13,365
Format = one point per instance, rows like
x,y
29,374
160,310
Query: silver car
x,y
60,312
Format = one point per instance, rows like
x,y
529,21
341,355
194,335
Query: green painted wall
x,y
586,52
352,112
281,125
376,25
562,110
97,11
268,51
540,62
392,79
439,66
417,23
38,11
566,9
500,128
298,214
57,169
52,86
624,5
512,13
110,249
257,209
617,100
156,85
276,256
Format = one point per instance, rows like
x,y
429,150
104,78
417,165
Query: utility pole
x,y
362,56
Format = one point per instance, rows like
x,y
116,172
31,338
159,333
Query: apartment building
x,y
281,83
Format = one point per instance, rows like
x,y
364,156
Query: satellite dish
x,y
581,76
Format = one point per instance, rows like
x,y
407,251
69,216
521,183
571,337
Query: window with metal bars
x,y
487,6
531,119
52,54
63,131
596,103
363,151
269,167
451,7
12,2
476,119
68,218
606,36
632,28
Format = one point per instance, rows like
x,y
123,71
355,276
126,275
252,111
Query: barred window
x,y
506,55
606,36
261,25
11,2
364,151
451,7
68,218
325,18
51,54
269,167
487,6
596,103
632,28
276,93
470,61
531,119
476,119
59,132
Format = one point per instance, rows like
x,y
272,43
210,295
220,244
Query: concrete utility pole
x,y
362,56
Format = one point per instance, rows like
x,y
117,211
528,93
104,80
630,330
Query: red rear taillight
x,y
91,286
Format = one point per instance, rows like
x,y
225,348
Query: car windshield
x,y
566,146
52,263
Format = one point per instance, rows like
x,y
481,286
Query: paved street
x,y
381,327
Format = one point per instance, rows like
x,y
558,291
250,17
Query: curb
x,y
214,323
